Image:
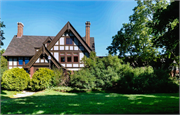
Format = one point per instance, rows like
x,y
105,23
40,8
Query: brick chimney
x,y
88,32
20,30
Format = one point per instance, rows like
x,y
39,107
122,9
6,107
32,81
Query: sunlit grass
x,y
9,94
53,102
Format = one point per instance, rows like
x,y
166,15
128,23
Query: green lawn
x,y
53,102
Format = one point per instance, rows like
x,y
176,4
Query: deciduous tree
x,y
134,39
1,33
165,27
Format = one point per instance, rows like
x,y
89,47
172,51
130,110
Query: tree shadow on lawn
x,y
91,103
4,95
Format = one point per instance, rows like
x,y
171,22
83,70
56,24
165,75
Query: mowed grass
x,y
53,102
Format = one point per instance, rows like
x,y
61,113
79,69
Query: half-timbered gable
x,y
69,51
65,50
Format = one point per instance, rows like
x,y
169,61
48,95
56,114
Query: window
x,y
75,57
69,41
26,60
20,61
69,59
62,59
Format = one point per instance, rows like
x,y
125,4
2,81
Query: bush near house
x,y
60,78
83,79
15,79
110,73
42,79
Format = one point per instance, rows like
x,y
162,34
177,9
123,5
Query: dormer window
x,y
69,41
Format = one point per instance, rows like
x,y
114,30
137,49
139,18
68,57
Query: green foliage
x,y
134,38
62,89
42,79
3,63
15,79
59,79
165,26
83,79
1,33
146,80
111,73
106,71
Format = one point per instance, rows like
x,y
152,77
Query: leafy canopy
x,y
134,39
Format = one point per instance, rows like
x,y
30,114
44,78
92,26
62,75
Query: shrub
x,y
111,73
15,79
2,70
62,89
42,79
106,78
146,80
83,79
59,79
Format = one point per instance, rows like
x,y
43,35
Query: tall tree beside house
x,y
3,63
165,27
1,33
134,39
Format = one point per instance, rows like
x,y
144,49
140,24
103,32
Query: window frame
x,y
26,58
75,56
22,61
71,39
72,55
66,56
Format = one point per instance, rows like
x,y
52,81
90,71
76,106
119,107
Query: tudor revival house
x,y
65,50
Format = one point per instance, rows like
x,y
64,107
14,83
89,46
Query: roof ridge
x,y
36,35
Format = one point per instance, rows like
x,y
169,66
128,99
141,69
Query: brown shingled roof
x,y
24,46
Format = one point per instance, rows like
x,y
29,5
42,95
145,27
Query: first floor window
x,y
62,59
20,61
69,59
75,58
26,60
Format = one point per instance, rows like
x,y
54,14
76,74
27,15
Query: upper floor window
x,y
20,61
69,41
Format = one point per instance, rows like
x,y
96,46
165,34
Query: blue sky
x,y
46,18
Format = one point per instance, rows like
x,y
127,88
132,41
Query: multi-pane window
x,y
20,61
62,57
69,41
75,57
26,60
69,57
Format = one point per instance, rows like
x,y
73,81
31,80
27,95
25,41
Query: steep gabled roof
x,y
43,50
25,45
48,39
69,27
